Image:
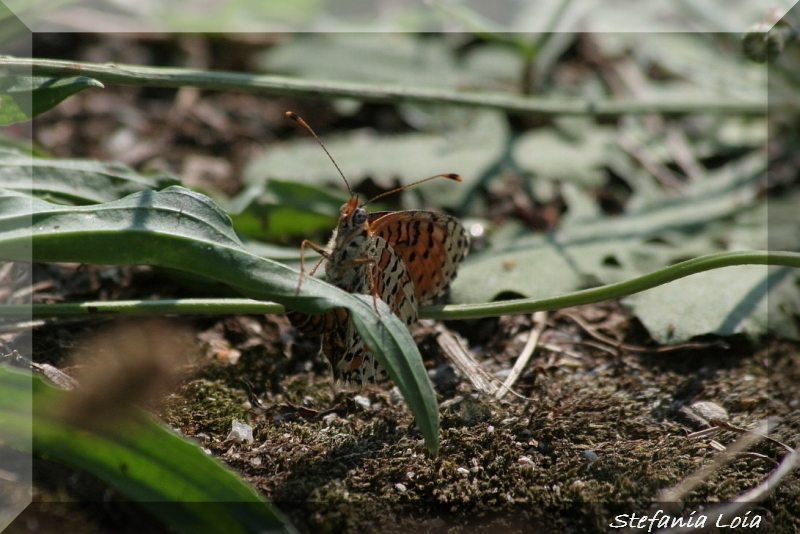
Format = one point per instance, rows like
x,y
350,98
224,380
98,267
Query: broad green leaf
x,y
750,300
376,57
280,209
551,154
140,457
723,302
398,58
22,98
469,150
74,181
183,230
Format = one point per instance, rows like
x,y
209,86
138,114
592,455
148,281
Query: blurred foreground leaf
x,y
140,457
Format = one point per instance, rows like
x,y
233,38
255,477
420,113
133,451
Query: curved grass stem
x,y
383,93
449,312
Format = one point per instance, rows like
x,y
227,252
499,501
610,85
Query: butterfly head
x,y
352,218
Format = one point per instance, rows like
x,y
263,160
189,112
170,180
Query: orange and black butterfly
x,y
405,258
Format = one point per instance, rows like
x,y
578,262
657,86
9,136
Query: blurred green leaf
x,y
183,230
469,150
697,64
140,457
22,98
577,155
399,58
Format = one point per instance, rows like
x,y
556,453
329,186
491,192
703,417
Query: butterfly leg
x,y
325,256
373,279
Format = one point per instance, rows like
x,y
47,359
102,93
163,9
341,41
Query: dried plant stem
x,y
540,321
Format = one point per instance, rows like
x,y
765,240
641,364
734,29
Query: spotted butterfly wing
x,y
350,358
432,245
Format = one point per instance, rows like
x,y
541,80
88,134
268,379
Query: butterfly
x,y
405,258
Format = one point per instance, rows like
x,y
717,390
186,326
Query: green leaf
x,y
139,456
22,98
723,301
389,58
750,300
556,155
74,181
469,149
281,209
183,230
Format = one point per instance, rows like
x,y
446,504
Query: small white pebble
x,y
362,401
246,405
475,469
462,471
410,475
490,429
240,432
255,462
401,487
591,456
524,460
395,397
330,418
709,410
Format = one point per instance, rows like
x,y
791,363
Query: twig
x,y
650,163
463,360
633,348
539,320
726,425
789,464
689,483
679,146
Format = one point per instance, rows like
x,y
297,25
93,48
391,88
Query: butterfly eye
x,y
359,216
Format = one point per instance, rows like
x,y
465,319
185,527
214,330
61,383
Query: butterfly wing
x,y
341,344
432,245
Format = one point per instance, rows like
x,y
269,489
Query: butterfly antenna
x,y
450,176
299,120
